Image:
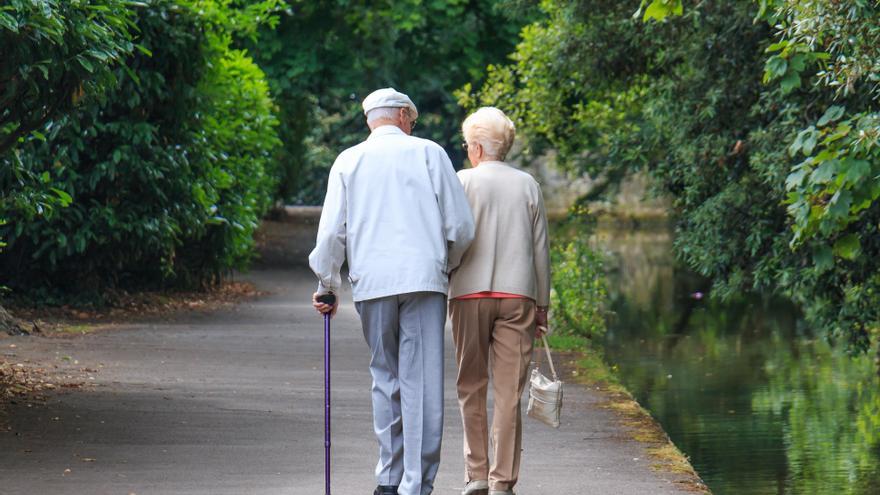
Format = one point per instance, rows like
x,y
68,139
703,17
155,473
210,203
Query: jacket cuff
x,y
323,289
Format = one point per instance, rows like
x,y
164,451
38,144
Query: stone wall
x,y
632,200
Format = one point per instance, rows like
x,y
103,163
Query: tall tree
x,y
323,58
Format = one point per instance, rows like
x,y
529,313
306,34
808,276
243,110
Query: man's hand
x,y
324,308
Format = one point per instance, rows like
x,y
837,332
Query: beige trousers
x,y
497,333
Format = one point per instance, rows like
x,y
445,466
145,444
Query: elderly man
x,y
395,207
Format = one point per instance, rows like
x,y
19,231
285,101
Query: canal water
x,y
759,404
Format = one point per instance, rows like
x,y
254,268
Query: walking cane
x,y
328,299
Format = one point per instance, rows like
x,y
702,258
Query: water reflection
x,y
759,404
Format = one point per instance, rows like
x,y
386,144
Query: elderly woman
x,y
498,300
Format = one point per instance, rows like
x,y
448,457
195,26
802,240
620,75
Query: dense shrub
x,y
236,137
168,175
579,296
55,54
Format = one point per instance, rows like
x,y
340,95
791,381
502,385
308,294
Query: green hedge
x,y
168,175
55,54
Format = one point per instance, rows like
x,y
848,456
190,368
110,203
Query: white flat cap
x,y
388,97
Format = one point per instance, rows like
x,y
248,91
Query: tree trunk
x,y
10,324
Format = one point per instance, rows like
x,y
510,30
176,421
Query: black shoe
x,y
385,490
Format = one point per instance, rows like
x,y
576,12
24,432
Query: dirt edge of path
x,y
27,383
129,307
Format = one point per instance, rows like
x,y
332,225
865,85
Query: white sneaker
x,y
501,492
476,487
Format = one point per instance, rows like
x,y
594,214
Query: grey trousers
x,y
405,335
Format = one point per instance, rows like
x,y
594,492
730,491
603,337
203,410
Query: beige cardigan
x,y
510,252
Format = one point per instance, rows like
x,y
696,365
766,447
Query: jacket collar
x,y
385,130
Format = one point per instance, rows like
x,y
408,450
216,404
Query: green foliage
x,y
836,185
323,58
168,174
579,293
844,35
660,9
237,142
757,118
837,181
788,62
54,53
576,78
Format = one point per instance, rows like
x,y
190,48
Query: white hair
x,y
379,113
492,129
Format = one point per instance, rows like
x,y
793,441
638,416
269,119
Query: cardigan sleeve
x,y
541,251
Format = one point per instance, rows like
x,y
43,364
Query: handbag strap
x,y
549,357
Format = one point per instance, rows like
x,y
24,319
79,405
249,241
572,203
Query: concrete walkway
x,y
231,403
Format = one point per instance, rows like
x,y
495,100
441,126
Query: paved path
x,y
231,403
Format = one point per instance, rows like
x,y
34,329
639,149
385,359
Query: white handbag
x,y
545,395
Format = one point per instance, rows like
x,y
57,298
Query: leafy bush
x,y
237,139
168,175
579,294
54,53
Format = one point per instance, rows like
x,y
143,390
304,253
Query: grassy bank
x,y
591,370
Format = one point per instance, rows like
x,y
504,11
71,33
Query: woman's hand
x,y
541,323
